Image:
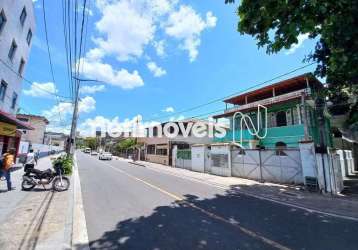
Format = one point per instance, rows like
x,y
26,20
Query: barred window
x,y
151,149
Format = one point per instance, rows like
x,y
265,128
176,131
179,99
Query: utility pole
x,y
72,142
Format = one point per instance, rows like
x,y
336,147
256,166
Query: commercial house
x,y
17,26
39,123
158,148
294,113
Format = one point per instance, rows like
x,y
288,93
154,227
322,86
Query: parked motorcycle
x,y
34,177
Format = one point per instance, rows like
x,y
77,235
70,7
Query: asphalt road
x,y
133,207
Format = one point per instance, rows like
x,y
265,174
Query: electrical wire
x,y
31,82
236,93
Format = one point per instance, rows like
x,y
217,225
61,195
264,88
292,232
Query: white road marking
x,y
208,213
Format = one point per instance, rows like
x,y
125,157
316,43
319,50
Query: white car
x,y
105,156
94,153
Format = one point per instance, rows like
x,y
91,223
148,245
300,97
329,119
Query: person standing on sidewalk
x,y
37,156
30,159
8,162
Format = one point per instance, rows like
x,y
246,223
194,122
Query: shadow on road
x,y
229,221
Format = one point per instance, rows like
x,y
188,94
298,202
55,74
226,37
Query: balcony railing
x,y
268,101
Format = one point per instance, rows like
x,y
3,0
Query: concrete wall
x,y
161,159
37,135
13,30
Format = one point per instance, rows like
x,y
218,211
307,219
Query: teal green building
x,y
291,111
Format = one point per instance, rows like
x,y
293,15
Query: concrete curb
x,y
79,228
69,218
138,164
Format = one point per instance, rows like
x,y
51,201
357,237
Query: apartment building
x,y
17,27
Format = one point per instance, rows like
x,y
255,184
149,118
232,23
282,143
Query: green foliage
x,y
66,162
277,24
126,144
90,142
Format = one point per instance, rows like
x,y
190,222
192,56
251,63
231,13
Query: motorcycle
x,y
34,177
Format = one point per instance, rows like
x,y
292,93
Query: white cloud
x,y
62,110
86,89
87,104
95,69
168,109
156,70
126,27
45,90
300,39
159,47
114,126
186,25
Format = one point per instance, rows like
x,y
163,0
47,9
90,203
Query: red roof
x,y
11,119
295,82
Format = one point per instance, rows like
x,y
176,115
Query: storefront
x,y
9,135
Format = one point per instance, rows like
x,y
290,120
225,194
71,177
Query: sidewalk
x,y
38,219
339,206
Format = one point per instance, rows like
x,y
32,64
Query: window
x,y
3,88
151,149
12,50
23,16
23,119
14,100
281,119
162,151
2,20
29,37
280,147
21,67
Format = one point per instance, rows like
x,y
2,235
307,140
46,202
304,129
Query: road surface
x,y
133,207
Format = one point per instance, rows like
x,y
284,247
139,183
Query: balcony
x,y
290,135
268,101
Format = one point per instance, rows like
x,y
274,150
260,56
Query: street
x,y
132,207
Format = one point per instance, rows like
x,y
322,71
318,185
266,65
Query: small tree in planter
x,y
66,162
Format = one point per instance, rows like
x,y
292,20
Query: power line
x,y
31,82
64,23
236,93
49,53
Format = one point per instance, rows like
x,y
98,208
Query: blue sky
x,y
156,57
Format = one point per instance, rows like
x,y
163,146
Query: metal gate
x,y
279,166
183,159
246,164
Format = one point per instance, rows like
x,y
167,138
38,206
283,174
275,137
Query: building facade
x,y
56,139
294,113
17,27
39,123
158,148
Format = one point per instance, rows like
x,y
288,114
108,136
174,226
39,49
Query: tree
x,y
126,144
90,142
277,25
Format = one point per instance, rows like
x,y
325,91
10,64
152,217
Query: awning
x,y
11,119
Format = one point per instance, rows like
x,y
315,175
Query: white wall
x,y
14,30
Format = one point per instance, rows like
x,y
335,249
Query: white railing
x,y
269,101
